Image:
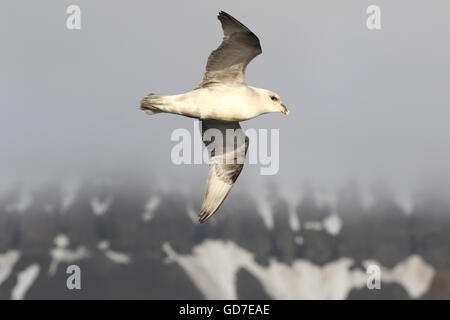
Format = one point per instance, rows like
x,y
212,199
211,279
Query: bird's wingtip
x,y
203,216
222,13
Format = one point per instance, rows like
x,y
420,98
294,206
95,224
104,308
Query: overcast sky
x,y
367,105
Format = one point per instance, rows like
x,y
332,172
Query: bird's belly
x,y
226,108
216,103
227,113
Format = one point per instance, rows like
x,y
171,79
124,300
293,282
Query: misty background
x,y
86,177
366,105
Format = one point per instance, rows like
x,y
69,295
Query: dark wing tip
x,y
228,20
204,215
223,13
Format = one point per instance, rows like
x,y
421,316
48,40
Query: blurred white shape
x,y
305,280
299,240
265,210
61,241
64,255
313,225
103,245
192,214
413,274
69,192
332,224
293,196
118,257
23,202
25,280
405,202
114,256
7,262
294,220
212,266
99,208
150,207
263,206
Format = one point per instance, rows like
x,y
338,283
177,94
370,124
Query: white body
x,y
219,102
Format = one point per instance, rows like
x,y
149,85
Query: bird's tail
x,y
151,103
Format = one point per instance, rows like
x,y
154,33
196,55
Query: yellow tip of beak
x,y
285,110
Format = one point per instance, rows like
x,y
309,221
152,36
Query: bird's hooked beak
x,y
285,110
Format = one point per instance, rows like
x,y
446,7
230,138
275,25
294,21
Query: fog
x,y
365,105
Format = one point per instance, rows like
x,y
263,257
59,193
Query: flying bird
x,y
222,99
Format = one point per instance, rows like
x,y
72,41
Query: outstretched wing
x,y
227,146
227,63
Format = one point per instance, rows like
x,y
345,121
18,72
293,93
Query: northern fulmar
x,y
222,99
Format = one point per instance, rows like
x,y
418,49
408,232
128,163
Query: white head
x,y
271,102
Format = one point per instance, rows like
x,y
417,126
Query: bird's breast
x,y
226,105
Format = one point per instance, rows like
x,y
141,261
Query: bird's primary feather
x,y
226,161
228,62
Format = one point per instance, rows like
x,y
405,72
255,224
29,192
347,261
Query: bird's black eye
x,y
273,98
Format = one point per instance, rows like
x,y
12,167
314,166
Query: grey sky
x,y
365,104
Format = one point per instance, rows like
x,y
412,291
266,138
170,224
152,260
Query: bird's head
x,y
272,102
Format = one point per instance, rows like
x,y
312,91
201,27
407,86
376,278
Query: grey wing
x,y
228,62
227,157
